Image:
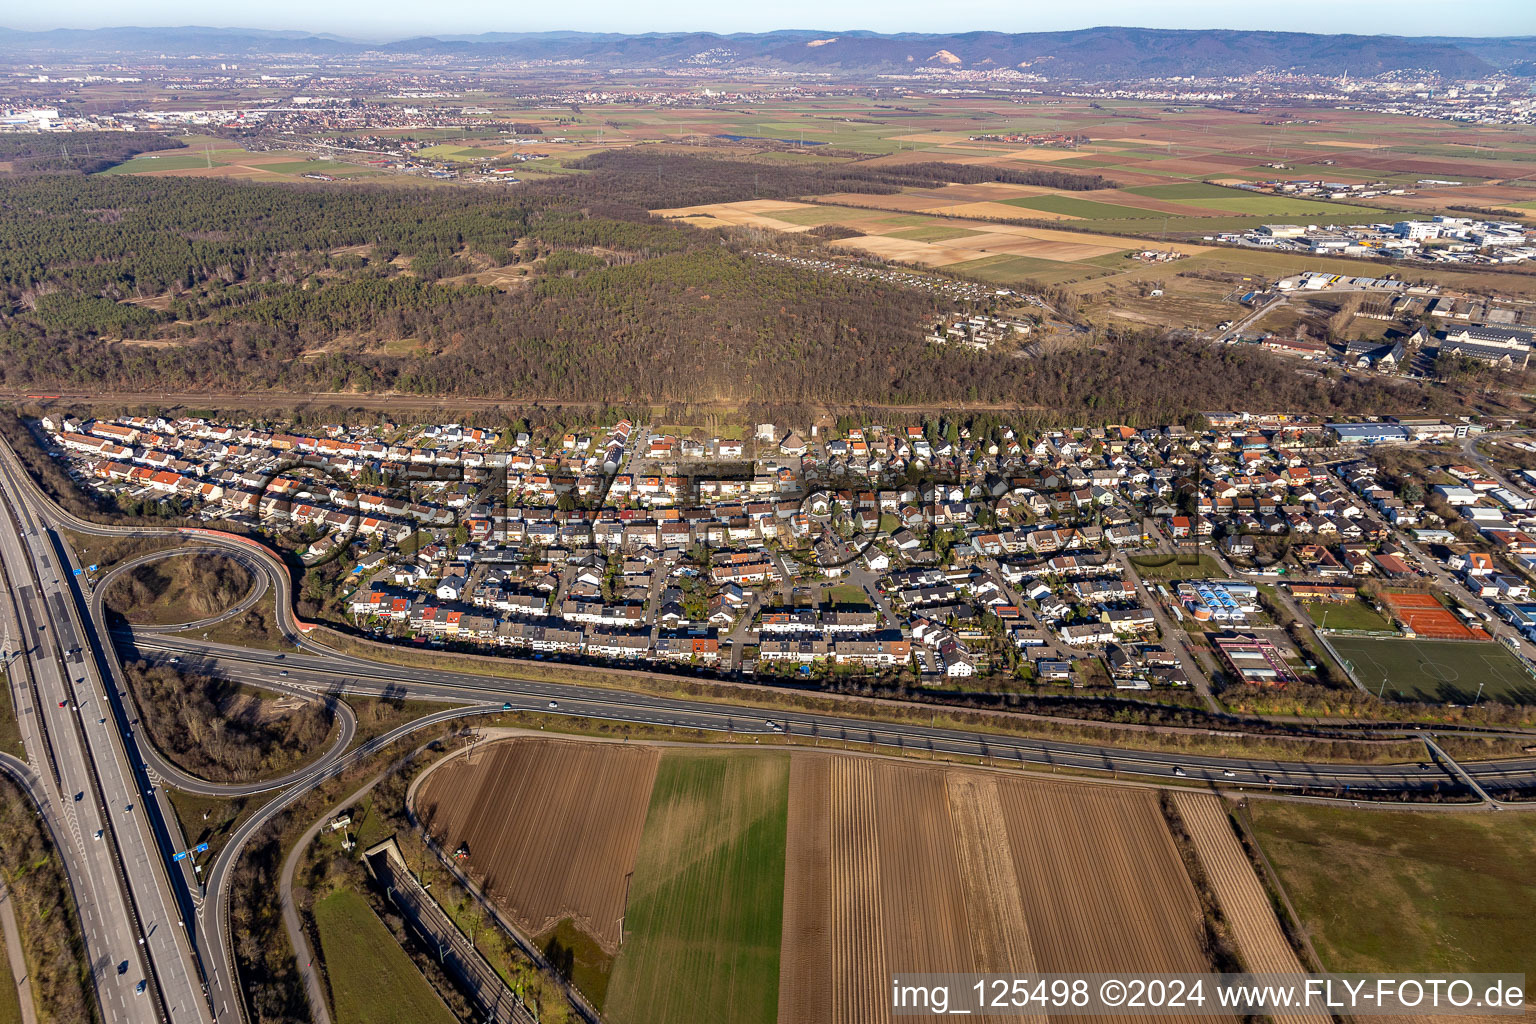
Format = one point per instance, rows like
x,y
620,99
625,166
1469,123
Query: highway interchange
x,y
156,929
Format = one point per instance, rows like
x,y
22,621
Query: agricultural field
x,y
208,157
583,807
702,923
372,980
1255,930
784,886
1100,888
1402,891
1002,253
1437,670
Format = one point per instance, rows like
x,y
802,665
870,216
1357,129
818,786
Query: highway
x,y
134,927
336,672
124,882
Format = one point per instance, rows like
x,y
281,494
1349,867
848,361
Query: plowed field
x,y
552,827
932,869
1260,942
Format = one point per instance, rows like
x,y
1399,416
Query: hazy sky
x,y
384,19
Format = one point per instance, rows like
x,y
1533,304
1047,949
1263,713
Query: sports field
x,y
1437,670
1352,615
1425,615
372,980
1403,891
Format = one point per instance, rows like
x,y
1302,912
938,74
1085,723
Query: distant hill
x,y
1100,54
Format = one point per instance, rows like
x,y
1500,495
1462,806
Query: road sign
x,y
77,572
91,568
200,848
180,856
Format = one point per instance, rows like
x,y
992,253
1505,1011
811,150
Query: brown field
x,y
896,867
1260,942
985,238
552,827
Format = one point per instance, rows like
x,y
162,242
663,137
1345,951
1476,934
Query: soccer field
x,y
1437,670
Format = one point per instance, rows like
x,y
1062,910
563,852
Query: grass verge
x,y
10,725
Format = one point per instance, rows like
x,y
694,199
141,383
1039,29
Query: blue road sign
x,y
91,568
200,848
180,856
77,572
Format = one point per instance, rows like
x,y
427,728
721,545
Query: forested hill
x,y
183,284
1102,54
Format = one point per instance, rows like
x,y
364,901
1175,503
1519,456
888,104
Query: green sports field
x,y
1437,670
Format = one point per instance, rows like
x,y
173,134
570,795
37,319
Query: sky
x,y
393,19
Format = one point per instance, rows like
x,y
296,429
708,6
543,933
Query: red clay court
x,y
1429,618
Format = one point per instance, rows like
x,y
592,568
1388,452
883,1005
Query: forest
x,y
76,152
214,730
308,288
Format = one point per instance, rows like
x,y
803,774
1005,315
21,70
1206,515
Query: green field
x,y
10,726
1183,566
1354,615
172,161
1192,190
1088,209
10,1004
848,595
1437,670
1283,206
372,979
937,233
1404,891
317,167
705,910
1004,269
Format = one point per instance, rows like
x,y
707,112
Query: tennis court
x,y
1437,670
1428,617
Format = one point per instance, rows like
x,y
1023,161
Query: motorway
x,y
134,927
171,924
337,672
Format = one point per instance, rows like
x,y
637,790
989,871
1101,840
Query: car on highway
x,y
80,796
284,672
99,832
1178,771
122,968
506,705
1229,773
127,808
554,703
143,984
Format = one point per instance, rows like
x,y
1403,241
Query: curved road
x,y
259,582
